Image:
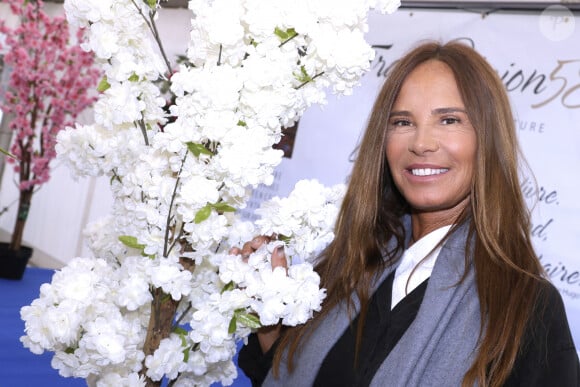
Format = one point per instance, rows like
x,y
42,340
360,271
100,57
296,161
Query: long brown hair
x,y
506,266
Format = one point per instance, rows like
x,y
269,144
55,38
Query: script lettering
x,y
560,274
538,193
564,92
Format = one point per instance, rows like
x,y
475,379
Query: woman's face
x,y
431,145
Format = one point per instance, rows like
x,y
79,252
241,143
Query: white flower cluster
x,y
253,68
306,217
305,222
81,317
287,296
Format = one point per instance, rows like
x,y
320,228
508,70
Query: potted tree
x,y
49,85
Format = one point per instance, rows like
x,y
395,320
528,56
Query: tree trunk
x,y
163,309
23,208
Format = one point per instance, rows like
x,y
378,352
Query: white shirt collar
x,y
413,257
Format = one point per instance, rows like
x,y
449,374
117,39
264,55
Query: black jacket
x,y
547,356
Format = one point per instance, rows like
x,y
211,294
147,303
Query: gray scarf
x,y
436,350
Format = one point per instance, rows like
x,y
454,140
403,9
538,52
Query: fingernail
x,y
280,250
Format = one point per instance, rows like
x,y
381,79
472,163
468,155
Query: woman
x,y
432,279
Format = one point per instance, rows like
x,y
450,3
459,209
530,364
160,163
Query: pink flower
x,y
50,84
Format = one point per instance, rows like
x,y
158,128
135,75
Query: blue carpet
x,y
18,366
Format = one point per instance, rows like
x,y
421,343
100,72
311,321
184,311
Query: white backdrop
x,y
535,69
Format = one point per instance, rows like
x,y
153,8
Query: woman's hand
x,y
278,256
268,335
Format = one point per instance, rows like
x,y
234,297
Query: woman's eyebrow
x,y
445,110
405,113
448,110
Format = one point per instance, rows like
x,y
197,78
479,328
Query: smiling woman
x,y
431,145
432,279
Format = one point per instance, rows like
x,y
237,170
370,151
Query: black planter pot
x,y
13,263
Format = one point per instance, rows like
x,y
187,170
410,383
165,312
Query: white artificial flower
x,y
340,13
101,239
262,17
103,338
253,68
194,193
207,233
121,104
83,149
385,6
113,379
167,360
81,12
74,364
217,32
103,40
134,291
209,329
221,19
306,217
241,231
93,150
170,276
247,160
344,52
205,374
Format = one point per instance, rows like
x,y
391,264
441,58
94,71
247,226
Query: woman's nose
x,y
424,140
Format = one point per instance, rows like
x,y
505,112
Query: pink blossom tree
x,y
49,86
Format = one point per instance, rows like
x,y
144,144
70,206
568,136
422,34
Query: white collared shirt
x,y
411,258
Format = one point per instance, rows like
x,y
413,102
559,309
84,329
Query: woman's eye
x,y
401,123
450,120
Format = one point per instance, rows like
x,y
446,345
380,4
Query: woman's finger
x,y
235,251
258,241
247,250
279,258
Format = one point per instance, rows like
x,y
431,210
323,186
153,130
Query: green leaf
x,y
186,355
198,149
69,350
202,214
233,325
183,340
179,330
103,85
8,154
151,3
247,319
280,33
229,287
133,78
182,335
284,238
131,241
223,207
303,77
285,35
242,123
